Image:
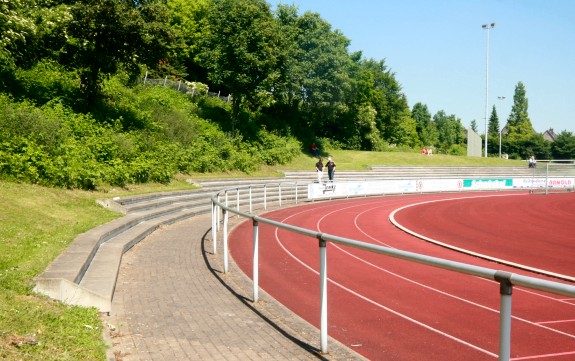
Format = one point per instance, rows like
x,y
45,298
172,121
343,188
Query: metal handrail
x,y
506,279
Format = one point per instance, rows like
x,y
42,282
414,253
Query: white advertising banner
x,y
389,186
439,185
386,186
553,182
477,184
345,189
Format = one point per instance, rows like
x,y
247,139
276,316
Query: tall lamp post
x,y
501,99
487,27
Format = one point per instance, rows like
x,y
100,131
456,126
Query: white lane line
x,y
466,251
401,315
408,280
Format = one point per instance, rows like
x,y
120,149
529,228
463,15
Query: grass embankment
x,y
38,224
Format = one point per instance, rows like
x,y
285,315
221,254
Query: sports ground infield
x,y
391,309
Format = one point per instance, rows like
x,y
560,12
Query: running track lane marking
x,y
542,356
384,307
305,265
421,285
462,250
535,324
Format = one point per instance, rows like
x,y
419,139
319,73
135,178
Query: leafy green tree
x,y
376,83
189,21
367,135
324,60
286,86
536,145
105,36
401,129
424,125
320,77
48,19
240,49
449,129
564,146
14,29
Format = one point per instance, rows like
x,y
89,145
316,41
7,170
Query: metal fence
x,y
288,192
182,87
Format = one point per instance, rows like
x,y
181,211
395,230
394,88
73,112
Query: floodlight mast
x,y
487,27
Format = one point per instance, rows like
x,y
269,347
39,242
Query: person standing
x,y
319,169
330,168
532,162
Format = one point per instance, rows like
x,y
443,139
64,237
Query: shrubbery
x,y
137,135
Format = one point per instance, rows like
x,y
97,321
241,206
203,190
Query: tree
x,y
450,131
367,134
240,49
106,35
47,37
536,145
14,29
474,125
519,125
320,77
383,91
424,125
493,131
519,128
189,21
564,146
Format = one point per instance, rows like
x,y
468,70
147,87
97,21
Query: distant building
x,y
549,135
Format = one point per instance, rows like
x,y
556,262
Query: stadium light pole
x,y
501,99
487,27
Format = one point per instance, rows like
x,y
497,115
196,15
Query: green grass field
x,y
38,223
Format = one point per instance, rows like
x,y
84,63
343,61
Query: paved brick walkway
x,y
173,302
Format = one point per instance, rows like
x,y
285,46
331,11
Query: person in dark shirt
x,y
319,169
330,168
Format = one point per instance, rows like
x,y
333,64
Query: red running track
x,y
389,309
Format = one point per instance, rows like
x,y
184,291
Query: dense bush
x,y
274,149
136,135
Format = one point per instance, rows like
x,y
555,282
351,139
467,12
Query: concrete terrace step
x,y
396,172
85,273
101,276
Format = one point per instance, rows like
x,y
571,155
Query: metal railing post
x,y
280,194
225,240
218,214
505,291
256,261
295,192
214,226
238,199
323,293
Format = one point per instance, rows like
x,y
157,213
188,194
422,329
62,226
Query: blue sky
x,y
437,50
